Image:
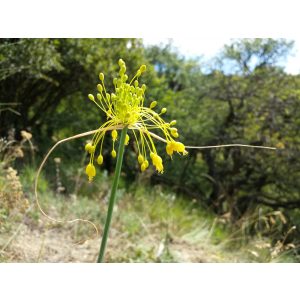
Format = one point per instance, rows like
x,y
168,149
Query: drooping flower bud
x,y
140,159
88,147
114,134
100,159
90,171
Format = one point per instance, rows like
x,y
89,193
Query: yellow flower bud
x,y
101,76
163,110
143,167
175,134
113,153
99,87
92,149
91,97
88,147
123,69
114,134
143,68
99,97
173,122
121,62
146,162
127,139
140,159
100,159
153,104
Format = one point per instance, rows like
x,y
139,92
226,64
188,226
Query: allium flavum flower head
x,y
126,107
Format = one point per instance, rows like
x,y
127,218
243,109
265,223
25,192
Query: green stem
x,y
113,194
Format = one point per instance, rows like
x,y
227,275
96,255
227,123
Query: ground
x,y
152,228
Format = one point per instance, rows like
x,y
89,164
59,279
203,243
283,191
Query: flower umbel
x,y
125,107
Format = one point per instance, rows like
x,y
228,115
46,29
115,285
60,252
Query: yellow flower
x,y
90,171
126,107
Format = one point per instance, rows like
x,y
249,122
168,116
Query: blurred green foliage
x,y
243,97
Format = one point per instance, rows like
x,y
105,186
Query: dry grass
x,y
156,232
156,228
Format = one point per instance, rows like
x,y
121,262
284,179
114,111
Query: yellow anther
x,y
90,171
100,159
91,97
113,153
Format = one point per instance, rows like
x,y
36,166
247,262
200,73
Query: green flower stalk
x,y
125,110
113,194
